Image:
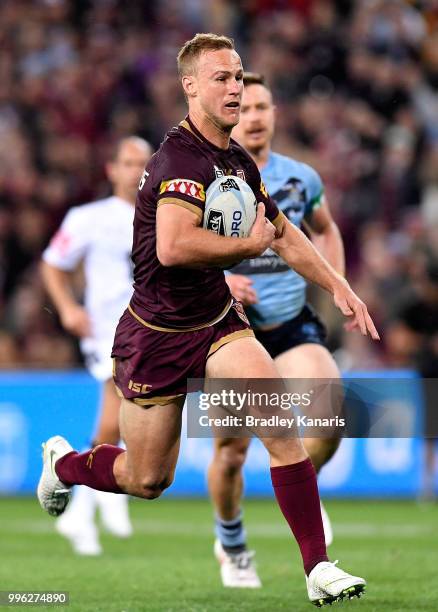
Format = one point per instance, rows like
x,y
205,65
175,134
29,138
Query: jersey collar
x,y
188,125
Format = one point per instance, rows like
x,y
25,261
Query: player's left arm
x,y
325,235
292,245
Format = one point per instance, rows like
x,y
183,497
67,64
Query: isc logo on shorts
x,y
138,387
216,222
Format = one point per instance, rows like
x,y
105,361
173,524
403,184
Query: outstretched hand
x,y
352,307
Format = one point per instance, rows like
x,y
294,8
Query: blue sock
x,y
231,534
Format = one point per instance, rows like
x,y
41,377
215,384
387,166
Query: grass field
x,y
168,565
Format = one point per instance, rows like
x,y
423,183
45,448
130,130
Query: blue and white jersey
x,y
297,190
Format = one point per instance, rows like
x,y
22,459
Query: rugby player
x,y
182,321
274,297
99,234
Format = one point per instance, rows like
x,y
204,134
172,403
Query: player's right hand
x,y
75,320
241,288
262,232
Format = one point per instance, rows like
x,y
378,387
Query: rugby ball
x,y
230,207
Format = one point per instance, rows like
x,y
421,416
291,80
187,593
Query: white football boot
x,y
52,493
237,570
326,523
77,523
327,583
114,513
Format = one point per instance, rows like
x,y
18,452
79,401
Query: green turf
x,y
168,565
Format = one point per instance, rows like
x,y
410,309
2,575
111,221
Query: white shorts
x,y
97,355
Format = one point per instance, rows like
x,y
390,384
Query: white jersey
x,y
100,235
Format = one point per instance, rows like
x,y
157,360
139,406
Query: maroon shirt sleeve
x,y
181,175
272,211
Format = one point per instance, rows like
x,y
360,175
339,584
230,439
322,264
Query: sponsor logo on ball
x,y
229,184
236,223
216,222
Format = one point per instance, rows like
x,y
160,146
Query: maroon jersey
x,y
182,169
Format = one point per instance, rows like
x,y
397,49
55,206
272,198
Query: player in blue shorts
x,y
275,301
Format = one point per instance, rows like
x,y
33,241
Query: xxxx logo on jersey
x,y
184,186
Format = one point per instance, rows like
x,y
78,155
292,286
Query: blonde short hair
x,y
192,49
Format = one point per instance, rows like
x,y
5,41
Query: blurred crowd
x,y
356,88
